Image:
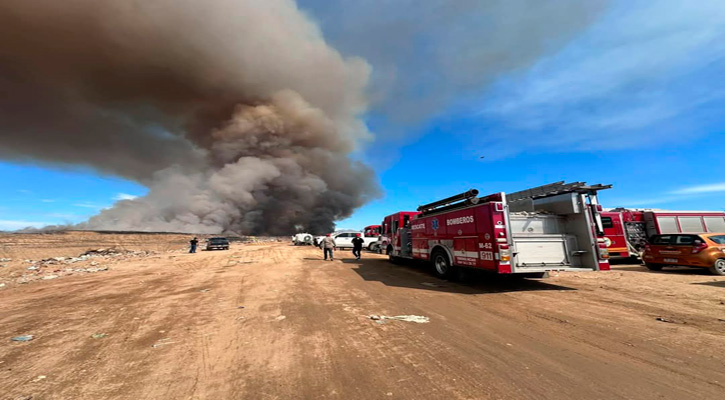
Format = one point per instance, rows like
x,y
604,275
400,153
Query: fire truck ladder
x,y
554,189
450,203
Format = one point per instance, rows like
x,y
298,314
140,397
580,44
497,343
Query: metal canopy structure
x,y
554,189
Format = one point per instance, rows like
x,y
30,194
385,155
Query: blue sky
x,y
634,99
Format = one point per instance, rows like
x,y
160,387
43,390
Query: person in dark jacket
x,y
357,245
193,242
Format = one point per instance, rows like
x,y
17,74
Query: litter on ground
x,y
418,319
23,338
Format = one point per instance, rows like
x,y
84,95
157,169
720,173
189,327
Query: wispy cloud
x,y
24,191
124,196
686,193
641,76
88,205
47,200
701,189
64,216
12,225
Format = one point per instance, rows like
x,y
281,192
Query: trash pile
x,y
89,262
258,239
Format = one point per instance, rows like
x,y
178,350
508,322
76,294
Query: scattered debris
x,y
408,318
32,268
204,290
3,265
6,259
663,319
24,398
99,335
23,338
48,277
162,342
39,378
280,318
240,306
2,285
431,284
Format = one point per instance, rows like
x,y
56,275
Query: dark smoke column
x,y
236,114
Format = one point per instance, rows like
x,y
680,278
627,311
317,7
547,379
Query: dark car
x,y
217,243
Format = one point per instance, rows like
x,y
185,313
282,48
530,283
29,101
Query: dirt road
x,y
275,322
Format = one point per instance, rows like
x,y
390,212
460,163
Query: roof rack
x,y
554,189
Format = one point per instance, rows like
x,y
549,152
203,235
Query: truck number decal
x,y
418,226
487,255
485,246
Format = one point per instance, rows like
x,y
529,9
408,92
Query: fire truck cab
x,y
555,227
372,231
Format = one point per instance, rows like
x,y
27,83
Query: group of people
x,y
328,246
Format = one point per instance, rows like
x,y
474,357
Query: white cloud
x,y
642,75
701,189
13,225
47,200
674,196
124,196
88,205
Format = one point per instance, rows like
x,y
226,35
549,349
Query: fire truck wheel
x,y
718,268
653,267
442,265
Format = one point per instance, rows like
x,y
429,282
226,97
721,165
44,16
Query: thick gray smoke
x,y
236,114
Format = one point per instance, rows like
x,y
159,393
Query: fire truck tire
x,y
442,265
653,267
718,268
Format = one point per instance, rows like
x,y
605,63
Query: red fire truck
x,y
626,231
372,231
555,227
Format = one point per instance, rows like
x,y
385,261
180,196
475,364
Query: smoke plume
x,y
237,115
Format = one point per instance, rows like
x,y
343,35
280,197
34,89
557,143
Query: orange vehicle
x,y
703,250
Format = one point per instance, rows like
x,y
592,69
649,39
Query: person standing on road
x,y
328,245
357,245
193,242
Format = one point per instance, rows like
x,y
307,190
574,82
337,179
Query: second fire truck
x,y
555,227
626,231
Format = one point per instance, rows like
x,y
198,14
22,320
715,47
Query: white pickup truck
x,y
343,239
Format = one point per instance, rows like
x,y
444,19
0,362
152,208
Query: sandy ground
x,y
274,321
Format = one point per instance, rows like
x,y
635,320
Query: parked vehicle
x,y
377,245
705,250
626,231
372,231
302,239
317,240
343,239
217,243
555,227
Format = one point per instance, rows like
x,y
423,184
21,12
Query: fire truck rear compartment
x,y
552,233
